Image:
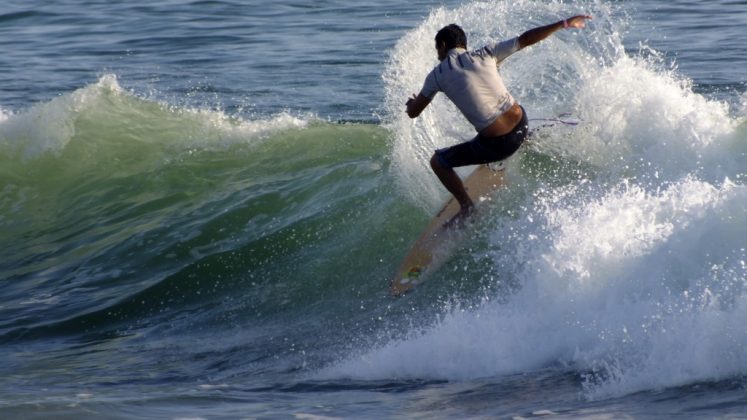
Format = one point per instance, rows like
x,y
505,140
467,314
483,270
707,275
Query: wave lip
x,y
105,112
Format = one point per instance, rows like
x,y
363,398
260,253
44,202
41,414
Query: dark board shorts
x,y
481,149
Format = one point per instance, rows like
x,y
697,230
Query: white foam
x,y
650,122
49,126
618,289
4,115
635,284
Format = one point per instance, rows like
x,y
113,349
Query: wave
x,y
617,243
621,240
127,121
118,211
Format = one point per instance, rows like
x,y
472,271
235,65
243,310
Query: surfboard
x,y
437,242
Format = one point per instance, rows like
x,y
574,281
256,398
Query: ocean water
x,y
202,203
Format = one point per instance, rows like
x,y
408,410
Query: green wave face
x,y
134,211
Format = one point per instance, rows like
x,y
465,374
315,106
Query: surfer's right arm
x,y
416,105
536,35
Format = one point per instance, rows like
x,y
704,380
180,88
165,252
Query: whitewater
x,y
625,235
177,255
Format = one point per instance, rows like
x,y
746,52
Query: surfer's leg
x,y
454,184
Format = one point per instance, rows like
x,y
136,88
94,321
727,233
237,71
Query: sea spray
x,y
613,291
622,263
545,78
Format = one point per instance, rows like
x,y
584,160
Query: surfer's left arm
x,y
536,35
416,105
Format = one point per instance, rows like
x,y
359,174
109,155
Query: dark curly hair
x,y
453,36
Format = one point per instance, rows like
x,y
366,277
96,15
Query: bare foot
x,y
460,218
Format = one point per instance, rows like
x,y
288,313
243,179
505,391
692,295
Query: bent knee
x,y
436,163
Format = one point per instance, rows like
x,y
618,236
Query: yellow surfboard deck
x,y
436,242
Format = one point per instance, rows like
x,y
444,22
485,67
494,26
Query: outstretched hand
x,y
416,105
578,21
409,101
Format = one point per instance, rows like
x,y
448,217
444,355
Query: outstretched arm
x,y
536,35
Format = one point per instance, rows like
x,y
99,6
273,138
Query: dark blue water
x,y
202,203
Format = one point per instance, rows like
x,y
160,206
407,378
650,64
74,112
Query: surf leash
x,y
547,123
565,119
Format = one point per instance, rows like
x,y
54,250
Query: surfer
x,y
471,81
